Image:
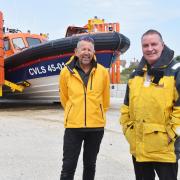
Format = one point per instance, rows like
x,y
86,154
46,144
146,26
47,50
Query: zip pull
x,y
85,89
91,81
84,105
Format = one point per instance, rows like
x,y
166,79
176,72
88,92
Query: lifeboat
x,y
35,62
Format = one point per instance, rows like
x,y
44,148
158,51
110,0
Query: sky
x,y
135,17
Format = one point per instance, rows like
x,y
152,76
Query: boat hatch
x,y
73,30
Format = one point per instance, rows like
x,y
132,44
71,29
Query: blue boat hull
x,y
43,77
50,66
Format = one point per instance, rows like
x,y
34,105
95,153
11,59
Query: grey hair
x,y
87,39
152,31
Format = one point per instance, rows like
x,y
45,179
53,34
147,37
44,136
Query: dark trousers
x,y
72,146
146,170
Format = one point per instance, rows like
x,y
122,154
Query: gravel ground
x,y
31,138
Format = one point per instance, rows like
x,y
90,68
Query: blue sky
x,y
135,17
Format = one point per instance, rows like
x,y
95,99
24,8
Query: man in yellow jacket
x,y
150,116
85,96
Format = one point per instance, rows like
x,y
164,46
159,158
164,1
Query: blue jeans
x,y
73,139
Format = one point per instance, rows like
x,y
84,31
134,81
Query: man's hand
x,y
169,139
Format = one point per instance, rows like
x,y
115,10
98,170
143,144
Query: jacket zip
x,y
85,105
84,97
91,82
101,111
85,123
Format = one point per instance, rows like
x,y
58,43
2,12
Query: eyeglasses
x,y
86,38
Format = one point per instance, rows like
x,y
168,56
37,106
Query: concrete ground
x,y
31,139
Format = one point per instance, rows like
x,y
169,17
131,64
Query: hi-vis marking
x,y
177,65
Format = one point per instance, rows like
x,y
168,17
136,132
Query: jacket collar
x,y
164,60
157,70
72,63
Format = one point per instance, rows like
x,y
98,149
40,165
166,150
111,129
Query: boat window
x,y
6,44
18,43
33,41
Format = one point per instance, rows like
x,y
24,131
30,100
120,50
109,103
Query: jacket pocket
x,y
131,137
102,111
155,138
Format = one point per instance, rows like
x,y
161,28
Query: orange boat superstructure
x,y
99,25
15,41
12,42
94,25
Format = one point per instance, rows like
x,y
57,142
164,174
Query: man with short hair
x,y
85,96
150,116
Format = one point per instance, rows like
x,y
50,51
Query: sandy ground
x,y
31,138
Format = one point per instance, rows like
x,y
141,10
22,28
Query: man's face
x,y
85,52
152,47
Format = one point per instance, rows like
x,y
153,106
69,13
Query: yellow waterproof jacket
x,y
151,113
85,107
